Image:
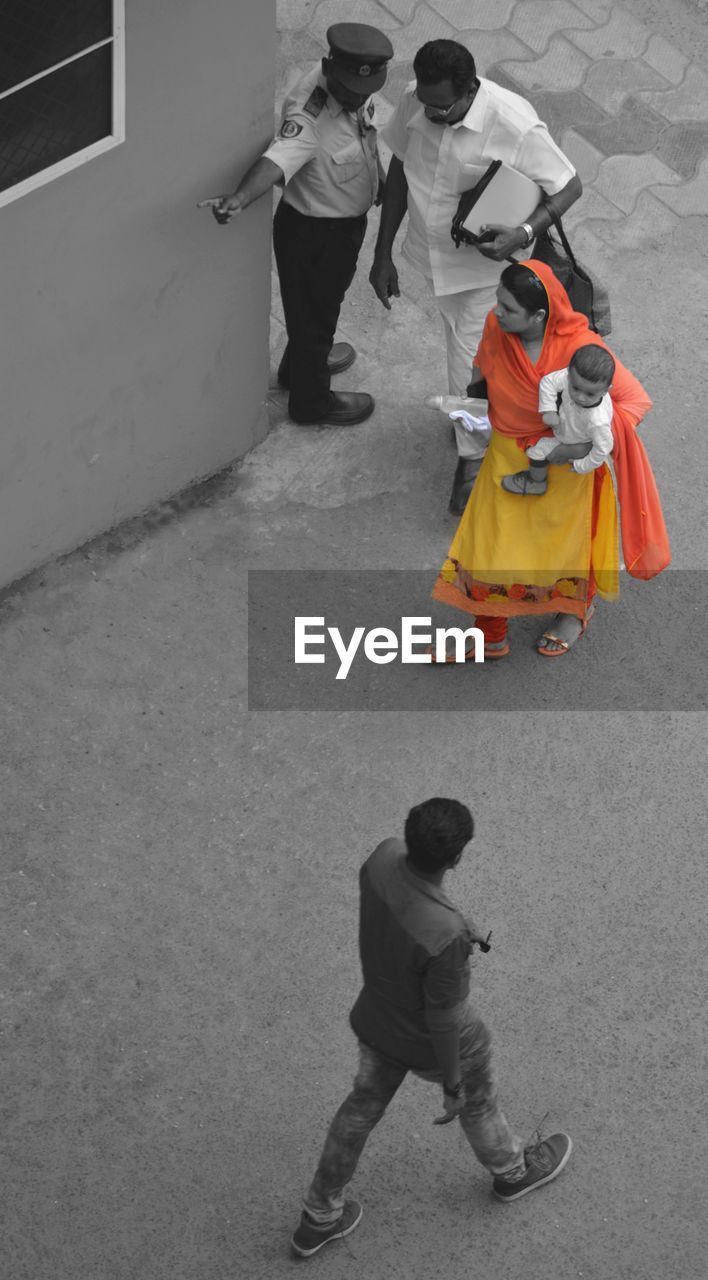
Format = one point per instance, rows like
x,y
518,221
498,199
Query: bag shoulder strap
x,y
468,199
466,203
555,217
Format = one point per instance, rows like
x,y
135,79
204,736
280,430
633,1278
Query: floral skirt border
x,y
501,600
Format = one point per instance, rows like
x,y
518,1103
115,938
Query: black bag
x,y
586,293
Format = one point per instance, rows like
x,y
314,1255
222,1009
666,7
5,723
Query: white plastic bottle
x,y
448,404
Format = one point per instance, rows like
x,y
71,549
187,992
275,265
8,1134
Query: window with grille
x,y
62,92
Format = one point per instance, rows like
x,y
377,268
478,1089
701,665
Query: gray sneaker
x,y
544,1161
308,1237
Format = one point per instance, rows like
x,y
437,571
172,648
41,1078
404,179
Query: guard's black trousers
x,y
316,259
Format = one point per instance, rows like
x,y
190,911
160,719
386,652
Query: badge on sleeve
x,y
290,129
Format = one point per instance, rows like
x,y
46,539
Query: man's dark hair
x,y
436,832
440,60
594,363
525,287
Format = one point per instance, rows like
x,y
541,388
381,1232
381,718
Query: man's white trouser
x,y
463,316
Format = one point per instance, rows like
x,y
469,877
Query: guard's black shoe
x,y
466,473
346,408
308,1237
341,357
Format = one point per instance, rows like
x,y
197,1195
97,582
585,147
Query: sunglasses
x,y
442,113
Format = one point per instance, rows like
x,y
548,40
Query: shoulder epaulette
x,y
316,101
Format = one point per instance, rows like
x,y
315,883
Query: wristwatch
x,y
454,1092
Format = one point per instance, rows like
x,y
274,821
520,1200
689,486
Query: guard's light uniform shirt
x,y
328,157
442,161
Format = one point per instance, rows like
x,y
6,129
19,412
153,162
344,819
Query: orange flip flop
x,y
565,644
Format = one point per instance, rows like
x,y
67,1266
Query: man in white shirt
x,y
447,129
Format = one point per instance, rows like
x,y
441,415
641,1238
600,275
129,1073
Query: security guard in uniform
x,y
326,155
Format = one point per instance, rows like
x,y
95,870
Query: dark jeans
x,y
375,1084
316,260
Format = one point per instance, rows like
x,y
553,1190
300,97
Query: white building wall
x,y
134,353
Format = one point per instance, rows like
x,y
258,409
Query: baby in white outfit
x,y
576,405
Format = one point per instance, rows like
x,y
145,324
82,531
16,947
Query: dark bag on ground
x,y
586,293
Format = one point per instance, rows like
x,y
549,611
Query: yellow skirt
x,y
516,555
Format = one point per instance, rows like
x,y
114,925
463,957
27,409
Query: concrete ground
x,y
180,874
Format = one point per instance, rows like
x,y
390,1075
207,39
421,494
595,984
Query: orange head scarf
x,y
512,379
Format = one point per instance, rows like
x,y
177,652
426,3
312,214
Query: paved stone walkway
x,y
625,104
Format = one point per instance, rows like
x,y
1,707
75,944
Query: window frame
x,y
107,143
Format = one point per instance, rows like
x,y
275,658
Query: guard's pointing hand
x,y
224,208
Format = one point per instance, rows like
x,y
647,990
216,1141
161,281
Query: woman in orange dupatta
x,y
554,553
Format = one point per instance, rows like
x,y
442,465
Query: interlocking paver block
x,y
402,9
592,204
369,11
666,59
649,222
598,10
536,21
487,15
559,110
607,83
490,47
683,146
623,36
293,15
690,198
561,67
400,74
590,249
586,158
287,75
299,46
634,129
621,178
496,72
688,102
296,53
425,25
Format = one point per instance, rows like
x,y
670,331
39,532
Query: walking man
x,y
447,129
412,1015
326,155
